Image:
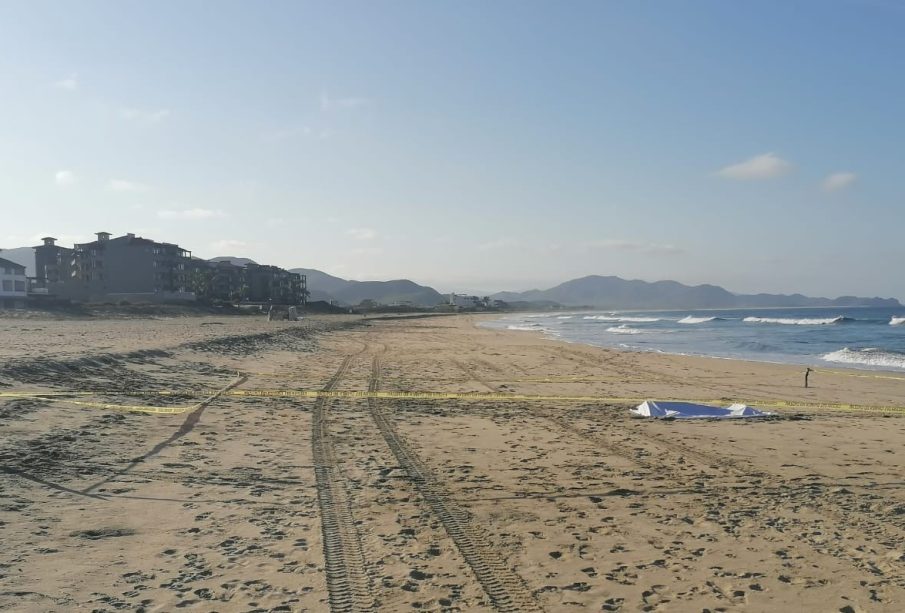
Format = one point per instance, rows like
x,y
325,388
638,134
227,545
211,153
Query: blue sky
x,y
469,145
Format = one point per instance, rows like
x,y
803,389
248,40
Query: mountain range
x,y
323,286
23,256
618,293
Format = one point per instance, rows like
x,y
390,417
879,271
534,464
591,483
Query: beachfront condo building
x,y
128,268
13,285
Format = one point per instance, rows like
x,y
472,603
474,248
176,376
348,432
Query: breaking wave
x,y
897,321
797,322
616,318
699,320
529,328
623,329
867,357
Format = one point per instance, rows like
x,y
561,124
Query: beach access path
x,y
266,484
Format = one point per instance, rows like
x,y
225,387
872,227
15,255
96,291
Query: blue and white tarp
x,y
691,410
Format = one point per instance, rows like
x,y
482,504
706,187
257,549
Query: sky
x,y
469,145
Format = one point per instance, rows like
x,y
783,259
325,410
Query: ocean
x,y
867,338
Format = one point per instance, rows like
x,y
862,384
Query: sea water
x,y
868,338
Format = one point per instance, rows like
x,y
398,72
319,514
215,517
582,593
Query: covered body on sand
x,y
691,410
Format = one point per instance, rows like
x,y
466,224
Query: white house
x,y
13,285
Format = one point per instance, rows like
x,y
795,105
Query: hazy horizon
x,y
468,146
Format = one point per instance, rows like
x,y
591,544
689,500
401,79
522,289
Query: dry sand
x,y
400,505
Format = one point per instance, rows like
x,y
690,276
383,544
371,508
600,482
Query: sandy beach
x,y
252,503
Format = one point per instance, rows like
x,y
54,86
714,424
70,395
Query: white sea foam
x,y
619,319
531,328
897,321
796,322
867,357
698,320
623,329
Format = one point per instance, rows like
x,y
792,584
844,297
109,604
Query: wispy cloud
x,y
764,166
362,234
191,214
500,243
348,102
121,185
634,247
64,178
229,244
144,115
366,251
70,83
839,181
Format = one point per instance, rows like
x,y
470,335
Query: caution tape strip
x,y
61,397
402,395
860,376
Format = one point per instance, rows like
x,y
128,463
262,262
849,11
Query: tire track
x,y
474,376
348,582
505,588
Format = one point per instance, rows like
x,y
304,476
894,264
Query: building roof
x,y
14,265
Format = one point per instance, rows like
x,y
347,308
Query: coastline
x,y
837,358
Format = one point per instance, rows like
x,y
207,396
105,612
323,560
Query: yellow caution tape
x,y
157,410
860,376
420,395
124,407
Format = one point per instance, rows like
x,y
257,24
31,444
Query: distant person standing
x,y
807,373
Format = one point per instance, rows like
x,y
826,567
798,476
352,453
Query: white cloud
x,y
191,214
361,234
764,166
349,102
634,247
70,83
838,181
229,245
121,185
64,178
144,115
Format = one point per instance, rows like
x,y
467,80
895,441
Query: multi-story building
x,y
53,264
128,268
224,281
13,285
274,284
217,281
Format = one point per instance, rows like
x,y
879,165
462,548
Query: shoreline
x,y
816,362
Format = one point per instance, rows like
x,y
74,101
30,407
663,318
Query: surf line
x,y
230,390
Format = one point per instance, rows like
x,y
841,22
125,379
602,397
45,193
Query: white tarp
x,y
690,410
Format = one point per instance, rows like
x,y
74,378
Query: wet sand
x,y
339,504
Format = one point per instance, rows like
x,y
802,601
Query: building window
x,y
7,285
20,286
